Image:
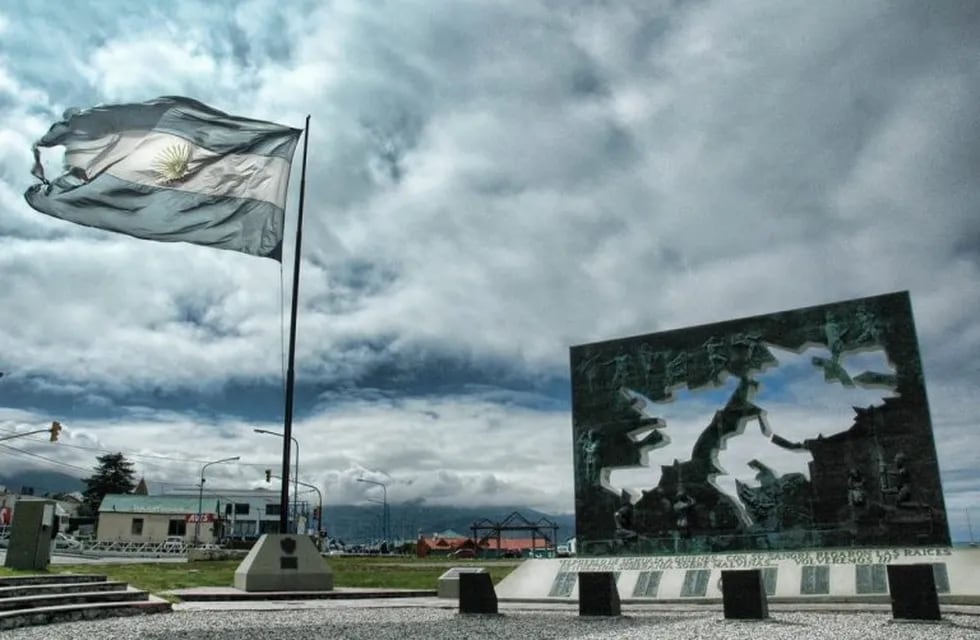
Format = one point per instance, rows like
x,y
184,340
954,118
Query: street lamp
x,y
384,512
319,519
296,473
200,496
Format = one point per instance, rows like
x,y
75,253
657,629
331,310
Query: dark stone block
x,y
476,593
744,594
913,592
597,594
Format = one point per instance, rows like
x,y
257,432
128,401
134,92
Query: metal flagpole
x,y
290,369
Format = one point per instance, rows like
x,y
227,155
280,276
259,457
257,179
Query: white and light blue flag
x,y
171,169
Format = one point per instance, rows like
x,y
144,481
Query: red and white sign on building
x,y
205,517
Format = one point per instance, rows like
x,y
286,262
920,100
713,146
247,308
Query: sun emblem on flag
x,y
173,163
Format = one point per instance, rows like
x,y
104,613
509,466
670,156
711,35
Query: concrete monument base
x,y
448,584
284,562
832,575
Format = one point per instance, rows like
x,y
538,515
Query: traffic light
x,y
55,431
268,475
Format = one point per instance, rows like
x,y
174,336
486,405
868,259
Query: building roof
x,y
130,503
436,543
489,544
515,544
59,510
227,494
449,534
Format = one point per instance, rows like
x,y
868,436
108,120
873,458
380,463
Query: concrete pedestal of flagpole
x,y
284,562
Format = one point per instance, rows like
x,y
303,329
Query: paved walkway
x,y
434,619
366,599
231,594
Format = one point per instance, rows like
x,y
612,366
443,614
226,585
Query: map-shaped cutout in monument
x,y
853,465
797,402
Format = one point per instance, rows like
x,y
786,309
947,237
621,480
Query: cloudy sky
x,y
490,182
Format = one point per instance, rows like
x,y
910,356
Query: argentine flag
x,y
171,169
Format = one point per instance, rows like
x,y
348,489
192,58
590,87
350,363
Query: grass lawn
x,y
349,571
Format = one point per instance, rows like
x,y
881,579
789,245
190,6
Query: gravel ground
x,y
410,623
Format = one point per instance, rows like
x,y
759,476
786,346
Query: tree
x,y
114,474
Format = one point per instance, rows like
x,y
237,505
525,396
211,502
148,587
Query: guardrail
x,y
133,548
113,547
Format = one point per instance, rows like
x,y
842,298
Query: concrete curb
x,y
230,594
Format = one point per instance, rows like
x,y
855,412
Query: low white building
x,y
245,513
140,518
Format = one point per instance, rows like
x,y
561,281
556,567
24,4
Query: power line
x,y
46,459
128,455
138,455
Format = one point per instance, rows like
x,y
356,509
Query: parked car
x,y
65,542
174,543
464,553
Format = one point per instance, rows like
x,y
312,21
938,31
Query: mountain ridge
x,y
352,522
357,523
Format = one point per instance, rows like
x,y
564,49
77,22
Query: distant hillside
x,y
363,523
41,481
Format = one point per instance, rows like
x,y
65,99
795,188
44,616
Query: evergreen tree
x,y
113,475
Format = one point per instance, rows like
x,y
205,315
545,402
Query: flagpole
x,y
290,368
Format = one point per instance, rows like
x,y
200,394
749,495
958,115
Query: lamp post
x,y
296,472
384,489
380,518
969,526
319,520
319,512
200,496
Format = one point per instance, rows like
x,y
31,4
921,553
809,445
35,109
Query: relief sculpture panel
x,y
801,429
